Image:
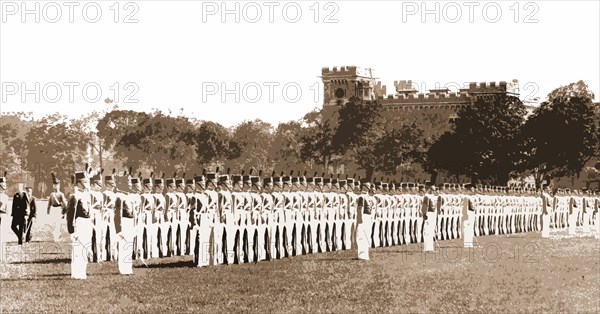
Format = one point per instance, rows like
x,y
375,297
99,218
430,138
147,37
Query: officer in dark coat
x,y
23,213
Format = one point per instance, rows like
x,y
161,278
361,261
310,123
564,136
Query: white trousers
x,y
183,225
428,235
597,225
468,233
57,223
263,238
363,237
573,222
200,241
347,234
545,226
586,222
81,247
126,237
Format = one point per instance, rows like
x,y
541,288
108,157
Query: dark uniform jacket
x,y
23,206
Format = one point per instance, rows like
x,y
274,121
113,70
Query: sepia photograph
x,y
306,156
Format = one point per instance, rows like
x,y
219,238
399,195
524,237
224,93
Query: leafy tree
x,y
115,129
358,122
87,127
398,146
165,143
320,128
253,139
13,129
359,132
54,145
562,134
377,143
212,142
286,145
155,140
484,141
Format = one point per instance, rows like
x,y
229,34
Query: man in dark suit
x,y
23,213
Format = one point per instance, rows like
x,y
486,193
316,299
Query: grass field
x,y
516,274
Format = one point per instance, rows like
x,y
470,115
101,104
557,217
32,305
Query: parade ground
x,y
520,273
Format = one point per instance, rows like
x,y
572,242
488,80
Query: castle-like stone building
x,y
433,110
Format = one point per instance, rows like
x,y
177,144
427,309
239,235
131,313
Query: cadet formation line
x,y
223,219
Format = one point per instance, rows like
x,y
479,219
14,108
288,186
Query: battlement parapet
x,y
349,70
426,97
404,86
484,87
380,89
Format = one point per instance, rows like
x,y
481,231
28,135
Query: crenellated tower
x,y
342,83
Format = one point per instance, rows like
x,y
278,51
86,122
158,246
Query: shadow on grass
x,y
61,277
178,264
50,261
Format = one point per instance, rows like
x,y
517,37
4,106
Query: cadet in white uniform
x,y
202,224
149,231
350,225
190,197
296,216
79,224
182,217
320,217
125,208
99,232
338,203
363,221
431,205
3,206
135,197
160,218
230,227
547,207
110,198
268,218
249,221
277,232
214,216
56,199
260,218
171,216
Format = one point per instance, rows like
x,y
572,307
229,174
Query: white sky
x,y
170,52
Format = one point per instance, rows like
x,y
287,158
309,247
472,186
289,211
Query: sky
x,y
262,60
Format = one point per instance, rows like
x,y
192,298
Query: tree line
x,y
490,142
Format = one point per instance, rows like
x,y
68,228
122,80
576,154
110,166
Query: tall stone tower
x,y
340,84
